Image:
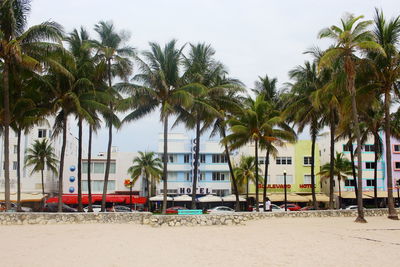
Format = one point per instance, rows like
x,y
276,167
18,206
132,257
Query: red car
x,y
174,210
291,207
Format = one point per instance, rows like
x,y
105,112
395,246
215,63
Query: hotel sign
x,y
281,186
199,190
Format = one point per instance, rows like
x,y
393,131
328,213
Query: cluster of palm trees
x,y
348,87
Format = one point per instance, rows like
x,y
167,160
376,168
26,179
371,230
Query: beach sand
x,y
268,242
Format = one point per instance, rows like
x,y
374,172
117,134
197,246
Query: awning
x,y
209,198
319,197
232,198
25,197
351,195
183,198
380,194
160,198
73,199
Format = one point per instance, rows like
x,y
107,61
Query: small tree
x,y
41,154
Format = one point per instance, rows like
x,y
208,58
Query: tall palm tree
x,y
159,86
302,111
342,169
387,35
19,47
147,164
39,156
256,124
350,37
117,59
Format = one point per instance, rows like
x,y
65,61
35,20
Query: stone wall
x,y
170,220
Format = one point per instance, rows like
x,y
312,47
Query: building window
x,y
219,158
172,176
202,158
98,167
370,165
349,182
284,161
261,160
171,158
220,192
370,182
369,148
397,165
97,186
41,133
15,165
346,148
218,176
307,160
307,179
280,179
188,176
186,158
202,176
112,167
15,149
396,148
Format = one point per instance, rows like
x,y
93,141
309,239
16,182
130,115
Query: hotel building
x,y
213,177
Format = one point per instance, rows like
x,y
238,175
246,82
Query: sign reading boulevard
x,y
275,186
199,190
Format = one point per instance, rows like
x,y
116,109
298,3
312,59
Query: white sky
x,y
252,38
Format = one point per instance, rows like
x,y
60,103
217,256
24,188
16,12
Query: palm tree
x,y
257,124
116,57
160,83
342,169
148,165
352,37
19,47
202,74
302,111
40,155
387,35
245,173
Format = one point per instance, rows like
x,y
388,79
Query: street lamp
x,y
284,188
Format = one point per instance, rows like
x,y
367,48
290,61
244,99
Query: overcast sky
x,y
252,38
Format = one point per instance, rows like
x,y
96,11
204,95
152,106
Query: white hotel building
x,y
213,176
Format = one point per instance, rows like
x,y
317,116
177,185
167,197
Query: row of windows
x,y
351,182
98,167
97,186
366,148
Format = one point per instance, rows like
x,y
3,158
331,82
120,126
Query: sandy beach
x,y
268,242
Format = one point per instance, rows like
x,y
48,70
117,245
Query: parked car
x,y
96,208
291,207
221,209
120,208
308,208
352,207
14,207
274,208
53,207
174,210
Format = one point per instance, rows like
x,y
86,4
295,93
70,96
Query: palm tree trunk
x,y
107,173
314,199
256,159
19,170
148,192
196,164
353,166
6,125
165,167
80,207
89,162
266,162
42,176
108,162
233,178
62,156
349,68
340,193
376,148
332,159
392,211
130,196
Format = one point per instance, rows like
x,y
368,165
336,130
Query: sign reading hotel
x,y
199,190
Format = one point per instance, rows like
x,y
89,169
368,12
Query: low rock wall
x,y
147,218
